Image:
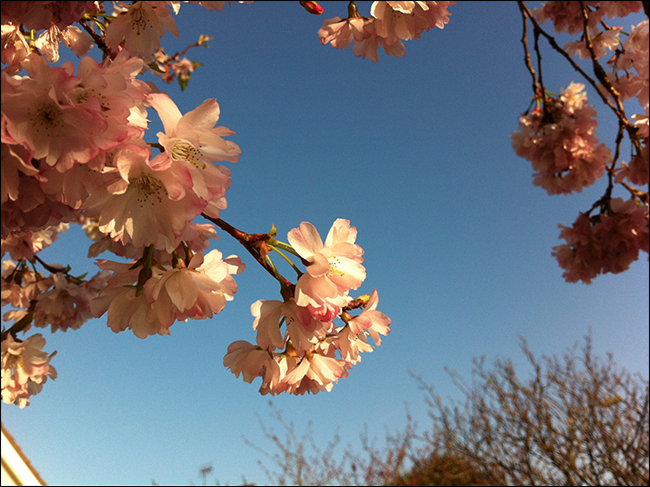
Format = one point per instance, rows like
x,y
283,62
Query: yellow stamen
x,y
187,152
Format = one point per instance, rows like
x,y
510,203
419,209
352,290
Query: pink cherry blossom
x,y
198,291
67,304
14,48
24,245
25,368
635,58
183,68
601,43
126,308
566,16
71,187
564,150
303,331
140,26
341,32
314,373
250,361
407,20
367,48
73,37
21,285
334,268
40,15
609,242
638,171
370,320
144,205
193,141
16,160
33,210
267,323
350,345
39,115
120,95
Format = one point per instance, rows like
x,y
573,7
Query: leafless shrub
x,y
577,420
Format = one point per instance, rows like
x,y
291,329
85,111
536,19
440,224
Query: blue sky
x,y
416,153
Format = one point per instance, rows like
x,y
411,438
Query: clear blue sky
x,y
416,153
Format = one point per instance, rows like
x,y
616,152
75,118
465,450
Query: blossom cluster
x,y
74,152
559,140
390,24
608,242
558,137
25,368
312,342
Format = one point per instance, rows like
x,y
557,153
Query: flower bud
x,y
312,7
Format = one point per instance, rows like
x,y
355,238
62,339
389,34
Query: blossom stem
x,y
551,40
286,258
278,276
21,324
145,272
284,246
251,242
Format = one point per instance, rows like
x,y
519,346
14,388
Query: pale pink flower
x,y
25,368
601,42
73,37
193,141
145,205
67,304
198,291
635,57
566,16
618,9
609,242
394,20
13,48
322,371
126,308
121,97
16,160
33,210
303,331
334,268
39,115
71,187
351,345
370,320
367,48
198,237
140,25
407,20
431,14
561,145
267,323
638,172
40,15
183,68
23,245
250,361
341,32
329,308
20,285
